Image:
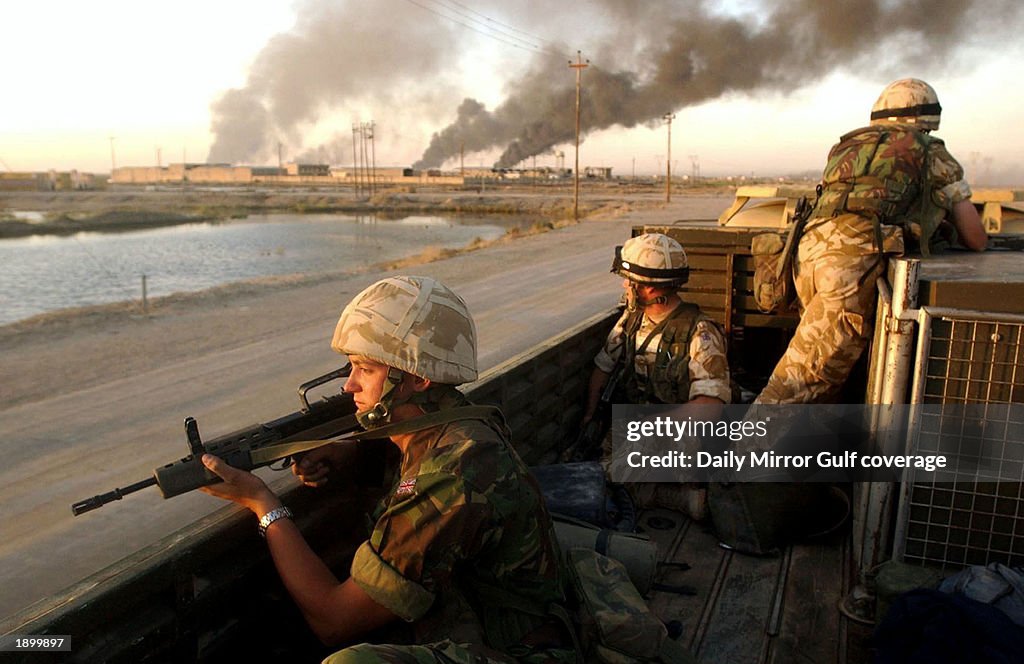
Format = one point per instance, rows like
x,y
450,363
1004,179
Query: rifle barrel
x,y
96,502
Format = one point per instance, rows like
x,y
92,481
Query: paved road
x,y
70,446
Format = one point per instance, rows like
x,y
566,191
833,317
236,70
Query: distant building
x,y
49,181
13,181
266,171
307,169
290,174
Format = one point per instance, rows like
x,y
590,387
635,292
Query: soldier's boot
x,y
688,498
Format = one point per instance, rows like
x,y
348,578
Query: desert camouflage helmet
x,y
652,258
414,324
910,101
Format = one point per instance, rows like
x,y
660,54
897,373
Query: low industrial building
x,y
289,174
46,181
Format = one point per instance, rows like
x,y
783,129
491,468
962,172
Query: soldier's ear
x,y
418,384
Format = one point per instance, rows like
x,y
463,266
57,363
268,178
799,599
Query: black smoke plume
x,y
647,58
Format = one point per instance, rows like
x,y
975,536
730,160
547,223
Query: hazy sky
x,y
757,87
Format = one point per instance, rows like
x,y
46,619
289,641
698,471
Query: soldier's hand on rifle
x,y
239,486
314,467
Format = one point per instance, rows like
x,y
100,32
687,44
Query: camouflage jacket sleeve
x,y
709,367
613,346
946,176
464,511
434,520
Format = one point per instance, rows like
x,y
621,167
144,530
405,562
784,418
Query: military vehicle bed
x,y
209,592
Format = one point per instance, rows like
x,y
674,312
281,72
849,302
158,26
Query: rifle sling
x,y
271,453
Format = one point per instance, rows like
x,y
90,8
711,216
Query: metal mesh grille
x,y
974,361
955,524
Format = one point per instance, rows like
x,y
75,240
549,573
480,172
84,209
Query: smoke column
x,y
337,52
646,59
706,55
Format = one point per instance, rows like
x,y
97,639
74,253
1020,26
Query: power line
x,y
467,21
495,21
521,45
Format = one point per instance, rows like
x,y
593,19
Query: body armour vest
x,y
881,173
668,380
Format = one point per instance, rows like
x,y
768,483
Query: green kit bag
x,y
615,625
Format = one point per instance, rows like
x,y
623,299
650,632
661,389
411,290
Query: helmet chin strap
x,y
380,413
633,298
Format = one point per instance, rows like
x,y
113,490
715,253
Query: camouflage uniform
x,y
462,547
697,367
706,369
837,266
462,536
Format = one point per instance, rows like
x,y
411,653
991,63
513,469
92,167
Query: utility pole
x,y
159,164
113,161
373,158
355,158
668,117
695,167
579,66
365,156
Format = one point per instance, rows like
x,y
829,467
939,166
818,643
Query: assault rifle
x,y
333,415
588,441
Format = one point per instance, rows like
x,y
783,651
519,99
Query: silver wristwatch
x,y
272,516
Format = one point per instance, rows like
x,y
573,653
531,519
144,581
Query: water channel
x,y
44,273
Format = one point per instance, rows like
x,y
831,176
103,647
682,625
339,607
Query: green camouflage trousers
x,y
834,328
442,652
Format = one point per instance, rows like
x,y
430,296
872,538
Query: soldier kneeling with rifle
x,y
462,547
662,350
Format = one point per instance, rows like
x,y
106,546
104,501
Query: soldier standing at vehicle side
x,y
880,182
462,546
667,350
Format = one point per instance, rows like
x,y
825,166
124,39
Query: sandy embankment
x,y
68,350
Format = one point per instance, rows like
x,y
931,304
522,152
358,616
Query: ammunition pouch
x,y
774,290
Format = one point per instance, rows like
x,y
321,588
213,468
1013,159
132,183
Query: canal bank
x,y
98,398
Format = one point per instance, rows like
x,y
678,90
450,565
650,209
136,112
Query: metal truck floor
x,y
739,609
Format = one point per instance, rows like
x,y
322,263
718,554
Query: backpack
x,y
879,172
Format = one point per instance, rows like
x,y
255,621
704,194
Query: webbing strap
x,y
270,453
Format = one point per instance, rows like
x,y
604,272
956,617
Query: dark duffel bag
x,y
759,518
